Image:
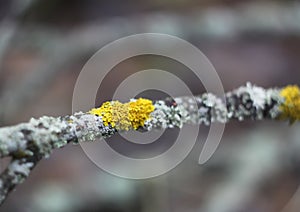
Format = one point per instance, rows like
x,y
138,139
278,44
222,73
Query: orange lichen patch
x,y
291,106
124,116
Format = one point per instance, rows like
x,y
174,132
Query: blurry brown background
x,y
44,45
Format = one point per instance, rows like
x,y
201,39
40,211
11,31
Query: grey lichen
x,y
11,142
88,127
18,171
248,101
165,116
253,102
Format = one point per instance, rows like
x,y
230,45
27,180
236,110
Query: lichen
x,y
167,116
291,106
88,127
120,116
19,170
47,134
253,102
124,116
139,112
105,111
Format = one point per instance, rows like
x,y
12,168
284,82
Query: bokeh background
x,y
44,45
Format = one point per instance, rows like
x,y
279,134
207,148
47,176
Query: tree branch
x,y
27,143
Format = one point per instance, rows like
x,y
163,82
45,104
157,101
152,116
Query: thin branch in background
x,y
59,52
10,24
62,49
245,172
37,81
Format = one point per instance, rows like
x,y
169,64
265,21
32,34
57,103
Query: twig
x,y
27,143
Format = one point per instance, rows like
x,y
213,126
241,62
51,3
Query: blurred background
x,y
45,44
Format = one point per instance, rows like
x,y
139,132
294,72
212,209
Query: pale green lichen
x,y
48,133
19,171
14,142
165,116
88,127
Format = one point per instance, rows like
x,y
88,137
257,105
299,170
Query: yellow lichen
x,y
291,106
120,115
124,116
139,112
105,111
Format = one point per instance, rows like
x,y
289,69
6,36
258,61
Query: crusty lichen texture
x,y
249,101
125,116
291,106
